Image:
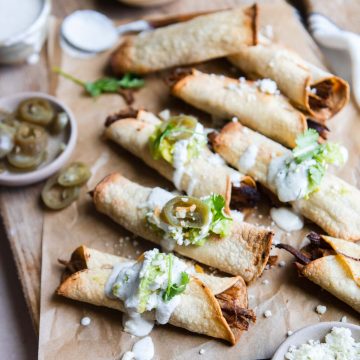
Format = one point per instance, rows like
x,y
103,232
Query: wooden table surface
x,y
20,210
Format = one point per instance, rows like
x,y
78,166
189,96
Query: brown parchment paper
x,y
290,299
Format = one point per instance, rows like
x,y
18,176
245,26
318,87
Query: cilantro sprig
x,y
105,84
220,223
174,289
308,148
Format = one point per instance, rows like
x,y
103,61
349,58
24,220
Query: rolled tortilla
x,y
202,38
203,175
338,271
244,252
270,114
310,88
335,207
210,305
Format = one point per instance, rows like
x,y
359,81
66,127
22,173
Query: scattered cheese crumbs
x,y
165,114
268,313
321,309
267,86
289,333
85,321
344,319
135,243
201,351
313,91
282,263
235,119
265,282
339,344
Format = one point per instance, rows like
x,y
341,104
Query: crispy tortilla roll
x,y
270,114
210,305
310,88
202,38
335,207
204,175
244,252
333,264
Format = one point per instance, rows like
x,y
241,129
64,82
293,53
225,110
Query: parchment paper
x,y
291,300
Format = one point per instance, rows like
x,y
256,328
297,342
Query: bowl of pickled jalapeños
x,y
37,136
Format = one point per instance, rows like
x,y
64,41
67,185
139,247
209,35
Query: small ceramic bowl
x,y
56,160
315,332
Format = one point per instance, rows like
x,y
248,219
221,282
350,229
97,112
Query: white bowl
x,y
24,45
315,332
10,103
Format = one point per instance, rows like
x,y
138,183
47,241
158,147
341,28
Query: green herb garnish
x,y
106,84
318,155
174,289
177,128
220,223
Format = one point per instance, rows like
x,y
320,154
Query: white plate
x,y
315,332
10,103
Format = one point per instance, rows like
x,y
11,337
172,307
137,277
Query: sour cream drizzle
x,y
181,158
142,350
248,158
124,284
290,182
287,219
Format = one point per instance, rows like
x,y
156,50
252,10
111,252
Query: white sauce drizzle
x,y
180,156
248,158
142,350
287,219
158,198
191,187
124,283
291,183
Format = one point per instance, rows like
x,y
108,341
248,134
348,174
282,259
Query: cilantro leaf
x,y
176,289
220,222
106,84
307,145
309,151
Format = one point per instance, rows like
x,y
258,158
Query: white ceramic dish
x,y
27,44
315,332
54,163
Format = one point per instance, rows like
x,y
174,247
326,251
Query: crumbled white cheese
x,y
202,351
268,313
265,282
237,215
267,86
344,319
165,114
85,321
339,344
321,309
234,119
289,333
282,263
